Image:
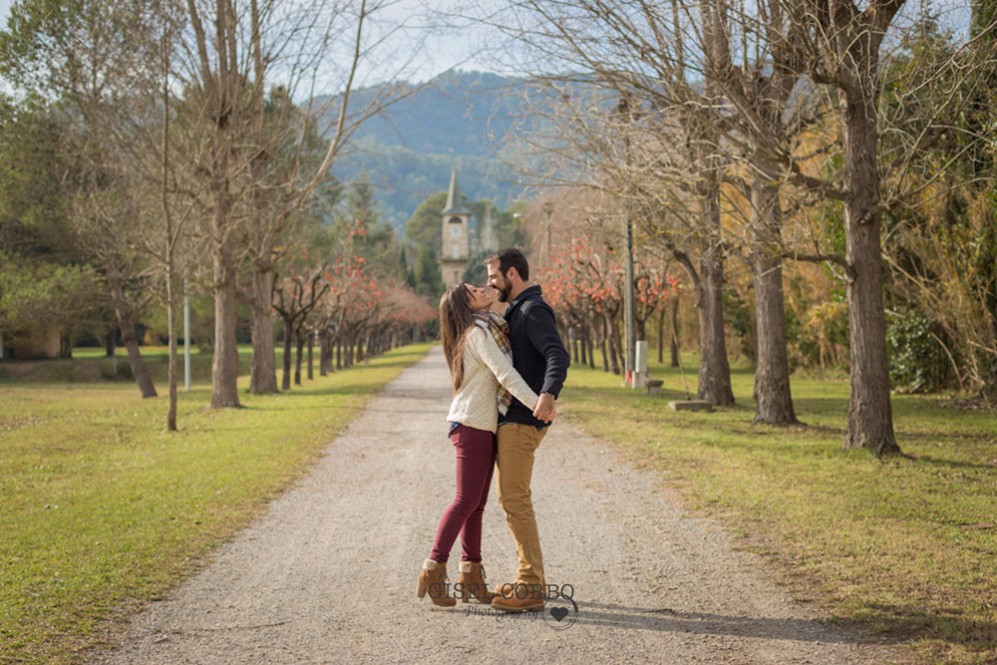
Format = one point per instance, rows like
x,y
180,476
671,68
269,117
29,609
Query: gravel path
x,y
328,575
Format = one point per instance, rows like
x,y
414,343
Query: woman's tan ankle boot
x,y
433,579
472,583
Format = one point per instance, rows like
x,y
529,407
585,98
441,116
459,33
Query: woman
x,y
476,347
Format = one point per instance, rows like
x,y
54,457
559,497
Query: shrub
x,y
917,361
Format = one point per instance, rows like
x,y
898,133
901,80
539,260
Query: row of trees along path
x,y
708,125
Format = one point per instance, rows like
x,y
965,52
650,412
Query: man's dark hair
x,y
511,257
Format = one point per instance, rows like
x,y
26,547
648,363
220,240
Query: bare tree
x,y
294,299
759,88
840,43
639,51
172,226
242,77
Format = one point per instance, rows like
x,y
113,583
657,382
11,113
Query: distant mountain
x,y
460,120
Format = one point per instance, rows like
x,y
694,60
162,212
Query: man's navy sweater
x,y
537,351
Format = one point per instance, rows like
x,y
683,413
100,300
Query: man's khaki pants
x,y
517,444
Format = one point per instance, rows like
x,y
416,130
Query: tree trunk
x,y
675,332
139,369
604,344
311,364
171,325
714,370
326,354
171,239
615,349
870,415
285,382
263,373
126,324
299,347
110,343
661,336
588,345
773,399
225,364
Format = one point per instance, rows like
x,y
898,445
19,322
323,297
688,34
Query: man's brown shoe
x,y
520,597
504,588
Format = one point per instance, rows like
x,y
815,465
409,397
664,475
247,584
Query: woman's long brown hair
x,y
456,318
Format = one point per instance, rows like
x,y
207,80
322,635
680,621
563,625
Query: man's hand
x,y
546,409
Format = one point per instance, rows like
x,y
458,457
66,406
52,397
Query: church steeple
x,y
455,204
456,247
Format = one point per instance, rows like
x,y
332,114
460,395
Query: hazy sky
x,y
444,48
468,47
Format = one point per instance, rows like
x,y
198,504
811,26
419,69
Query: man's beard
x,y
503,293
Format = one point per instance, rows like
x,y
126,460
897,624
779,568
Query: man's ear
x,y
510,272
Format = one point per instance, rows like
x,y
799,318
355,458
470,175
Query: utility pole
x,y
628,287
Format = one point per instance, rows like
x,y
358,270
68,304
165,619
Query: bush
x,y
917,361
123,372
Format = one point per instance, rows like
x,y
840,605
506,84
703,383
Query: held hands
x,y
546,409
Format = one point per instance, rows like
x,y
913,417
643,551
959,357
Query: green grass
x,y
101,509
92,365
889,543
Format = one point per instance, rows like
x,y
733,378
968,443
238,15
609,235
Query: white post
x,y
640,364
186,338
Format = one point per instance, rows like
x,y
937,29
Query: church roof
x,y
455,205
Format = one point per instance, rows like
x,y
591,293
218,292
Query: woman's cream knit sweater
x,y
485,367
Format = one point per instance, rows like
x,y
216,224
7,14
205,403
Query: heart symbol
x,y
559,612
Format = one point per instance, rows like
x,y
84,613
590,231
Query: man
x,y
541,359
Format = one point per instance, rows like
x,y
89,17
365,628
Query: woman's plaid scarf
x,y
499,328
